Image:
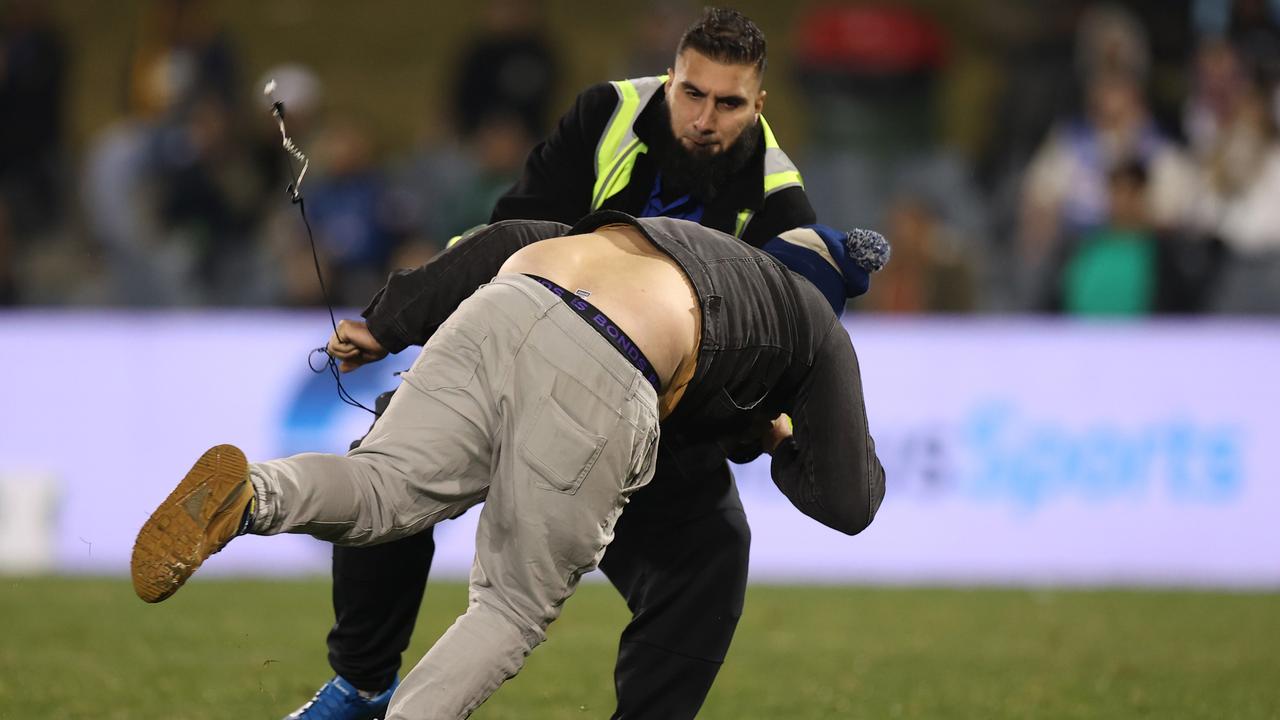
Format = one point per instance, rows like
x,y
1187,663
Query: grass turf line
x,y
85,648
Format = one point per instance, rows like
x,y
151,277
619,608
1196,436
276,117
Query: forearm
x,y
828,468
842,498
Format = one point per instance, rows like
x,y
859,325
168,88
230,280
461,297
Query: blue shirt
x,y
683,207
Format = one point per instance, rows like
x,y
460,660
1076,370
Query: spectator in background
x,y
871,75
451,182
39,256
1111,38
210,200
508,69
421,189
1232,136
1066,185
33,64
1215,113
1231,128
450,185
1251,26
209,193
1148,38
498,149
1065,190
1032,48
350,214
933,270
1129,266
181,55
1111,268
170,194
116,190
505,81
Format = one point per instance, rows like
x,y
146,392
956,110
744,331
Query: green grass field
x,y
252,649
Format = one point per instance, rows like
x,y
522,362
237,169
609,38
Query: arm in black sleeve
x,y
559,174
782,211
413,303
828,468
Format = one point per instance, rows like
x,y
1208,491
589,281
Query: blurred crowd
x,y
1128,163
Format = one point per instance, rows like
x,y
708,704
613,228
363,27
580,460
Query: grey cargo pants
x,y
515,401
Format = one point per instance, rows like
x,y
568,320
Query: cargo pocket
x,y
450,358
560,451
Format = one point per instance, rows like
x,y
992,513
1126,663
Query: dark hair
x,y
1130,170
726,36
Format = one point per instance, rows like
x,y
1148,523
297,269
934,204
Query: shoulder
x,y
597,101
606,95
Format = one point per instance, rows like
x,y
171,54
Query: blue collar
x,y
683,207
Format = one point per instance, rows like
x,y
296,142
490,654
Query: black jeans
x,y
679,558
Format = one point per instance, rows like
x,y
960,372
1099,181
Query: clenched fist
x,y
354,345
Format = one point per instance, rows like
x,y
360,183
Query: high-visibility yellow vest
x,y
619,147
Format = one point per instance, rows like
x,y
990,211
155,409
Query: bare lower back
x,y
637,285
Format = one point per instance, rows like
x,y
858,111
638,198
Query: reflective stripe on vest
x,y
779,171
619,147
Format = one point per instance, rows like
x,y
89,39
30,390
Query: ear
x,y
760,103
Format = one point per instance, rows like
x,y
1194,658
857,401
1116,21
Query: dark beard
x,y
703,174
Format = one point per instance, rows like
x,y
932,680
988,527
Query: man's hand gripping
x,y
353,345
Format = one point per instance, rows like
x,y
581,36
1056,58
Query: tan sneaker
x,y
198,518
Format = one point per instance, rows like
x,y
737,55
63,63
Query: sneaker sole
x,y
176,539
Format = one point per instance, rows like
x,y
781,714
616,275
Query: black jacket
x,y
770,344
560,173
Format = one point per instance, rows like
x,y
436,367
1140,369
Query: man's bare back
x,y
629,279
637,285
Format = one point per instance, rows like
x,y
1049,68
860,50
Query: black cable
x,y
331,363
295,196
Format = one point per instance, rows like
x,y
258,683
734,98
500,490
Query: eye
x,y
693,94
730,104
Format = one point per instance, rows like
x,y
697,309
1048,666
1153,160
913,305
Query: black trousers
x,y
679,558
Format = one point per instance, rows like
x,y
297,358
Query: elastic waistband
x,y
607,328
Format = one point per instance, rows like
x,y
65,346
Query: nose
x,y
705,121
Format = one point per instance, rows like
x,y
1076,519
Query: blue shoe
x,y
339,700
